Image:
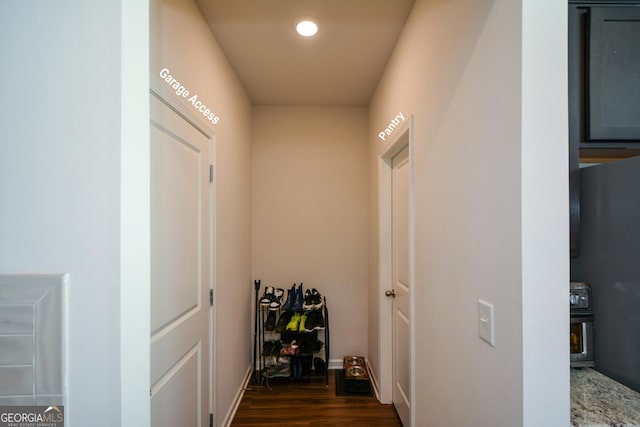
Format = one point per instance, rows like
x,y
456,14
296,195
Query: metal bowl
x,y
356,371
355,360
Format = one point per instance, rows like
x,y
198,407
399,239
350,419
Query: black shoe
x,y
310,322
277,346
276,299
267,296
320,322
316,322
267,348
319,366
307,305
270,323
316,299
285,318
305,348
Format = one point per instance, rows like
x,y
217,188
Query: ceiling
x,y
341,65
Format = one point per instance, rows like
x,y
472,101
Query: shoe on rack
x,y
267,296
279,367
316,346
277,347
316,299
307,305
296,305
303,320
304,346
270,323
276,299
289,349
315,321
319,365
283,321
319,320
285,350
294,323
290,297
309,322
267,348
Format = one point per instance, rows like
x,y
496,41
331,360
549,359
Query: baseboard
x,y
372,379
236,402
336,364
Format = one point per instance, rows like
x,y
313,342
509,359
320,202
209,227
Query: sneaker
x,y
266,297
310,321
270,323
317,346
276,299
303,320
308,303
294,323
316,322
316,299
285,318
279,368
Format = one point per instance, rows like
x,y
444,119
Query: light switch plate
x,y
485,322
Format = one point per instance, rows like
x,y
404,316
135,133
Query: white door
x,y
179,271
400,184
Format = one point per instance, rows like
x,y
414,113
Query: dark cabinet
x,y
604,74
613,100
604,89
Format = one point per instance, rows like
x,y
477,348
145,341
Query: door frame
x,y
160,91
403,137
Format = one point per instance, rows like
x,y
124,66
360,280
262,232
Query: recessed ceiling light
x,y
307,28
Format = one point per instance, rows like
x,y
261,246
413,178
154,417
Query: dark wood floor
x,y
310,403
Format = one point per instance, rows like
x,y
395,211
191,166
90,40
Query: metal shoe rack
x,y
274,362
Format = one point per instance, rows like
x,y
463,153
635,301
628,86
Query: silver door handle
x,y
391,293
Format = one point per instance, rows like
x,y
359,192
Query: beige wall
x,y
310,210
489,222
182,42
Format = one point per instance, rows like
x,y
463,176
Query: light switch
x,y
485,321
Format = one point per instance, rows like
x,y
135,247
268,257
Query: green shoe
x,y
294,322
303,319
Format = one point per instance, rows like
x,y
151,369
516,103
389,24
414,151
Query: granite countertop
x,y
597,400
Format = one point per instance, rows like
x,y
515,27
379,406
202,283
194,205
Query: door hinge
x,y
211,297
210,420
211,173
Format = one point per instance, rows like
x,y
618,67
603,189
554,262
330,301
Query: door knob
x,y
391,293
